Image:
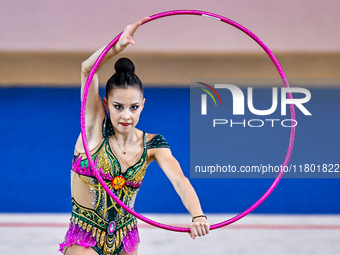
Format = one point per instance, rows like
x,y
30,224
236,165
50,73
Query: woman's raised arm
x,y
95,111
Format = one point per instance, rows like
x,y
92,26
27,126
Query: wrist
x,y
199,216
118,48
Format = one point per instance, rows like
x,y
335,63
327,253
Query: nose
x,y
126,114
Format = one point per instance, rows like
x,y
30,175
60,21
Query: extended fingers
x,y
144,19
137,24
129,31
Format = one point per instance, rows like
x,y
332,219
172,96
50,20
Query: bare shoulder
x,y
148,137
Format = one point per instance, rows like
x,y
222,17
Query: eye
x,y
118,107
134,107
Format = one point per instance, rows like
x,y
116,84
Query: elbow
x,y
85,70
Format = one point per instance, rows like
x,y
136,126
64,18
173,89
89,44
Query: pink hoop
x,y
292,112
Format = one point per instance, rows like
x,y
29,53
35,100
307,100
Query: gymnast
x,y
121,153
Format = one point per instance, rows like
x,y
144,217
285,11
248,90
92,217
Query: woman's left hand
x,y
126,37
199,227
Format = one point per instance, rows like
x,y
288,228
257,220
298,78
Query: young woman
x,y
121,152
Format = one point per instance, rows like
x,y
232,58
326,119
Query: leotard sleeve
x,y
158,141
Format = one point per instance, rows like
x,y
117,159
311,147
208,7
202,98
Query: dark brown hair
x,y
124,77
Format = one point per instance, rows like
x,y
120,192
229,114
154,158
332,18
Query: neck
x,y
125,138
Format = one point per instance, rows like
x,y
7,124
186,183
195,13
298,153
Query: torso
x,y
89,193
93,205
84,186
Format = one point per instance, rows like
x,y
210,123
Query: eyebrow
x,y
137,103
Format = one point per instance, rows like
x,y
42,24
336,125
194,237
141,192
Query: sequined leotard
x,y
105,226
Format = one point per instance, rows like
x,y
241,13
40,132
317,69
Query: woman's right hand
x,y
126,37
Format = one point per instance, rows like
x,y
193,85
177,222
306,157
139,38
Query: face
x,y
125,107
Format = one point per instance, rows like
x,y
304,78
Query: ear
x,y
143,103
105,103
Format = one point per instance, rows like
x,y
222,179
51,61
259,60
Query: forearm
x,y
89,63
188,196
94,113
200,226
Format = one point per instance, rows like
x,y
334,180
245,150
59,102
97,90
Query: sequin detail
x,y
111,228
79,167
76,235
118,182
107,127
131,240
158,141
88,229
107,227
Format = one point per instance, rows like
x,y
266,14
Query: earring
x,y
107,127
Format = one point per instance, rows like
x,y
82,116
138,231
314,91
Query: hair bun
x,y
124,65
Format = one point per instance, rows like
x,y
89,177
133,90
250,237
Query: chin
x,y
123,129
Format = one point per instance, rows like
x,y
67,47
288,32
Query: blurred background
x,y
43,43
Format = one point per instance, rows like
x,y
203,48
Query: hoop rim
x,y
284,80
